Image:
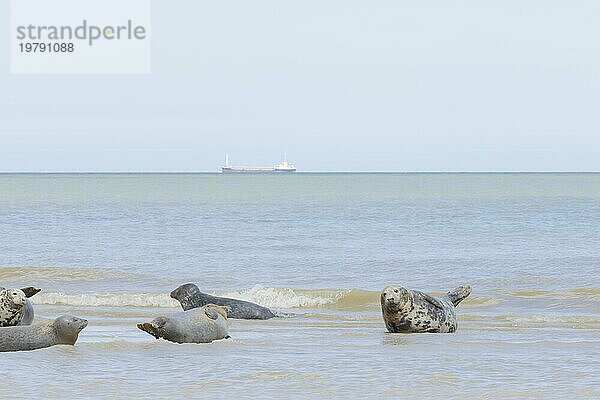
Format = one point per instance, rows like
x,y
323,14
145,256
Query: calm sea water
x,y
319,247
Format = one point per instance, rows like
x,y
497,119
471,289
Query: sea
x,y
317,249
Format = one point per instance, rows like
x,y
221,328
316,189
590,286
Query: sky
x,y
339,85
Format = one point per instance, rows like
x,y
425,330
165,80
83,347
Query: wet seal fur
x,y
411,311
12,306
199,325
189,296
62,330
28,313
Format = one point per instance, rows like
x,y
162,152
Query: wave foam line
x,y
281,297
106,300
275,298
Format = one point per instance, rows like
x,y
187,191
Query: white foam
x,y
275,298
279,297
106,300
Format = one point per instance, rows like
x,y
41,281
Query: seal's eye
x,y
396,290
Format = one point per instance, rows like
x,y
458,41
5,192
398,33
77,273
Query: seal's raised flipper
x,y
213,311
30,291
210,313
433,301
459,294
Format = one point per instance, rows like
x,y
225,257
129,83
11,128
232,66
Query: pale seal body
x,y
12,306
63,330
199,325
411,311
28,314
189,296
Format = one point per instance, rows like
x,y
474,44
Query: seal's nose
x,y
391,299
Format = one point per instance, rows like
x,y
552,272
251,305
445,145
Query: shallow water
x,y
317,248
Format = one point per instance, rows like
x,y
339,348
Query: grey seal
x,y
189,296
199,325
62,330
28,313
12,306
411,311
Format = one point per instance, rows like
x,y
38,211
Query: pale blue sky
x,y
340,85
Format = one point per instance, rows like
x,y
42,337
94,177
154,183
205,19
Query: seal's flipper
x,y
459,294
433,301
211,313
30,291
223,310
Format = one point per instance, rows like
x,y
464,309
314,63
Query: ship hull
x,y
256,171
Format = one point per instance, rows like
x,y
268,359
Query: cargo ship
x,y
281,168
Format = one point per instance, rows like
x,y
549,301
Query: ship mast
x,y
227,159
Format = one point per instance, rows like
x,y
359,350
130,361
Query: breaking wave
x,y
106,300
275,298
288,298
306,298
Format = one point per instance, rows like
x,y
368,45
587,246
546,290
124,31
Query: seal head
x,y
15,298
67,328
187,295
157,327
395,299
12,306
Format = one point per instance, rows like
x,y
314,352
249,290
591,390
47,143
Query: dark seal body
x,y
63,330
411,311
199,325
189,296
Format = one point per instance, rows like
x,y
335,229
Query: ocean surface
x,y
317,248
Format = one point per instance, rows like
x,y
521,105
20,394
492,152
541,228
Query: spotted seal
x,y
198,325
28,313
411,311
189,296
62,330
12,306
